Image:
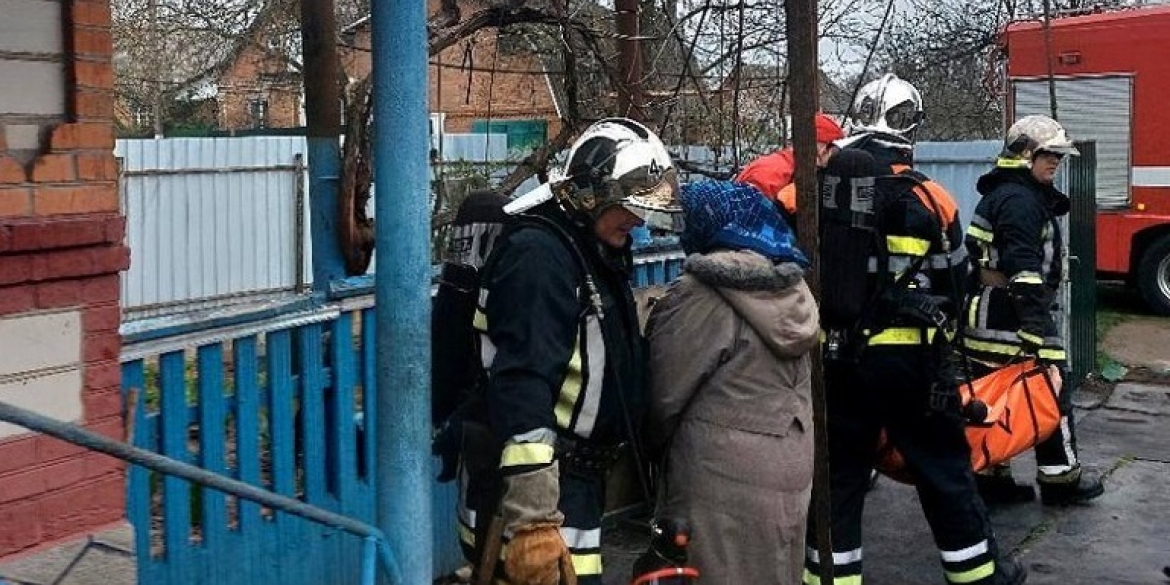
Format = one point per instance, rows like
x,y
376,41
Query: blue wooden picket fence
x,y
279,409
285,403
657,266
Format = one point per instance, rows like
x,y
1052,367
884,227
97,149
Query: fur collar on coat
x,y
772,298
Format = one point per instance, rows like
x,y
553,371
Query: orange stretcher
x,y
1022,410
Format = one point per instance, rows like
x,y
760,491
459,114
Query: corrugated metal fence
x,y
956,166
212,221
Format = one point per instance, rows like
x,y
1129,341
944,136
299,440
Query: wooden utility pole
x,y
801,26
1048,58
323,121
631,100
321,68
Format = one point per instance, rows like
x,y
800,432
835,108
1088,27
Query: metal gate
x,y
1082,261
284,403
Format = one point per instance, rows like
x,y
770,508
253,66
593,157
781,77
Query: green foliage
x,y
1107,319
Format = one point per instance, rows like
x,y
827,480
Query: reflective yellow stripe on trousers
x,y
978,573
810,579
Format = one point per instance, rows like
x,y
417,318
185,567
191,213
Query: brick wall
x,y
461,84
61,249
466,95
255,75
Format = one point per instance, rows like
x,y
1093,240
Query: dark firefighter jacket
x,y
921,229
1015,243
555,360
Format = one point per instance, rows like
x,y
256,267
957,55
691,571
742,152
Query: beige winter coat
x,y
731,404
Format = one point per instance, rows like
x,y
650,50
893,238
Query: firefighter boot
x,y
1069,489
1010,571
997,487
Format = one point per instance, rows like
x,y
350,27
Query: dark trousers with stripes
x,y
888,388
1060,448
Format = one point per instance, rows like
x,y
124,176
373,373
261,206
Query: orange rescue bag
x,y
1022,410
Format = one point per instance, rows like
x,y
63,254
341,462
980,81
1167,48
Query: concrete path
x,y
1122,538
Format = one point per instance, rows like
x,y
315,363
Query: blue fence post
x,y
324,175
247,416
138,483
176,491
402,288
212,436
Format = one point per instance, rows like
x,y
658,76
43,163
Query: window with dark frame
x,y
258,110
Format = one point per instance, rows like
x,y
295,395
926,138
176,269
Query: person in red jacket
x,y
771,173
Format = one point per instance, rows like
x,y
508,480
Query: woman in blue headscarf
x,y
731,406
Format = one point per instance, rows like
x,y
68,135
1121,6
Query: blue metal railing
x,y
374,550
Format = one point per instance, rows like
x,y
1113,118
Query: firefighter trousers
x,y
888,387
582,501
1056,456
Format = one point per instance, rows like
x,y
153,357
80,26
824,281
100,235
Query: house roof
x,y
834,97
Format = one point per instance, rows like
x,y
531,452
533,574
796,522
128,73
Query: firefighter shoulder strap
x,y
857,207
457,373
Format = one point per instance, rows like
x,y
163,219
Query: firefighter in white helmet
x,y
563,358
887,105
1015,241
888,360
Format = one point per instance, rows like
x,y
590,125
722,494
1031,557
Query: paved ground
x,y
1122,539
104,558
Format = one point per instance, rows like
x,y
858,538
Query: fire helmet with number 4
x,y
1030,136
616,161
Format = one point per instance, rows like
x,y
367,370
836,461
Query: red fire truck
x,y
1111,74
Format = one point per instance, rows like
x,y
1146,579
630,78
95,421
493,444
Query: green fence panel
x,y
523,135
1082,261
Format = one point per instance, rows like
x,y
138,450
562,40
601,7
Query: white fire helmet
x,y
616,161
888,105
1032,135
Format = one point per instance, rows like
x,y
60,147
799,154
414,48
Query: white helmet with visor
x,y
1032,135
888,105
616,161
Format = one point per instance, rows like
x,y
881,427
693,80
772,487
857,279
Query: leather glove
x,y
537,555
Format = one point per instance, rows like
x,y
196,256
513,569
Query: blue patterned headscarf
x,y
723,214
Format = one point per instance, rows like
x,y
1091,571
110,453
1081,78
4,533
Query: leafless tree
x,y
715,70
733,96
947,49
167,52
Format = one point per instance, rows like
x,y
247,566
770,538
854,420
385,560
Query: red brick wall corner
x,y
61,250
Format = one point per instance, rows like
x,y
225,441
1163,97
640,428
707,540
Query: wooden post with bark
x,y
801,24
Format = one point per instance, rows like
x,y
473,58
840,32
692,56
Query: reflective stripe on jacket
x,y
549,366
1014,238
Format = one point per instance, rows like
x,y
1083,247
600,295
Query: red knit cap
x,y
827,129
